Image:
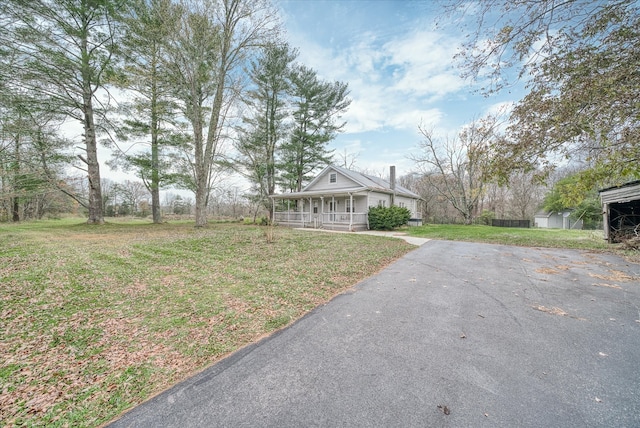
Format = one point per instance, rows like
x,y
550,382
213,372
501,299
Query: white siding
x,y
557,221
361,204
408,203
375,199
542,222
342,182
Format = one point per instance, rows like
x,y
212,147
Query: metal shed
x,y
621,211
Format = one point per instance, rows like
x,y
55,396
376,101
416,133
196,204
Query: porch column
x,y
289,212
311,212
273,202
302,211
351,212
333,209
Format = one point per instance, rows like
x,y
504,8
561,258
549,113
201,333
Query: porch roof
x,y
322,193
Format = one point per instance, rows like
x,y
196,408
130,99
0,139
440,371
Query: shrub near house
x,y
387,218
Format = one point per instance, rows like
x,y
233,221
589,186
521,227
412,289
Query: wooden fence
x,y
498,222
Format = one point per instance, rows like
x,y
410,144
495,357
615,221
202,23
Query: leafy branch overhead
x,y
579,60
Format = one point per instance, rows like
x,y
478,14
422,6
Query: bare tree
x,y
525,195
455,168
133,193
347,160
215,40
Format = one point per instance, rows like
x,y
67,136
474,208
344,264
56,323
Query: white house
x,y
339,199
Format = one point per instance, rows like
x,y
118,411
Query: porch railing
x,y
307,219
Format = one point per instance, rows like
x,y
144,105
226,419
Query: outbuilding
x,y
556,220
621,211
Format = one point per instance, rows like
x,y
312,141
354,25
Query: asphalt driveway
x,y
455,335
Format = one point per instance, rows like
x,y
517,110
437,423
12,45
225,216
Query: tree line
x,y
208,87
168,85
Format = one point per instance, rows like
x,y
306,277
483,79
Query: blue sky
x,y
397,57
400,69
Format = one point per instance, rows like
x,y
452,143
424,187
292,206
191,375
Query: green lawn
x,y
555,238
95,319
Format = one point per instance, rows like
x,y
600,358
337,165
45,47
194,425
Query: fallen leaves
x,y
100,318
444,409
615,276
547,271
553,311
617,287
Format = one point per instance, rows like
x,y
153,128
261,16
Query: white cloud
x,y
423,62
401,74
410,119
393,83
501,109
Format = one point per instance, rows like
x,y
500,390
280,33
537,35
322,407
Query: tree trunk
x,y
201,205
201,168
15,209
155,163
96,215
15,202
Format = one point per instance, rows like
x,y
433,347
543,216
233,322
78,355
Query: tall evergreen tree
x,y
149,26
64,50
264,127
317,106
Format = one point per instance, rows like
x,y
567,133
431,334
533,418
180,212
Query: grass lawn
x,y
554,238
95,319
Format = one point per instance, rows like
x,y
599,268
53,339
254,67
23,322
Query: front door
x,y
332,210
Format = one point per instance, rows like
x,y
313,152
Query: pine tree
x,y
317,105
264,128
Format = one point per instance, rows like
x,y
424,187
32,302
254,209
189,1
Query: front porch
x,y
346,211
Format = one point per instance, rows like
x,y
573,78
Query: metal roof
x,y
368,182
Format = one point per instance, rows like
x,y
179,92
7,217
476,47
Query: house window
x,y
333,178
401,204
348,207
382,203
315,207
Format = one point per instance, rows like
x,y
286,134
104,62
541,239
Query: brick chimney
x,y
392,181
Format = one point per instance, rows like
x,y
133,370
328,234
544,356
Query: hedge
x,y
388,218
